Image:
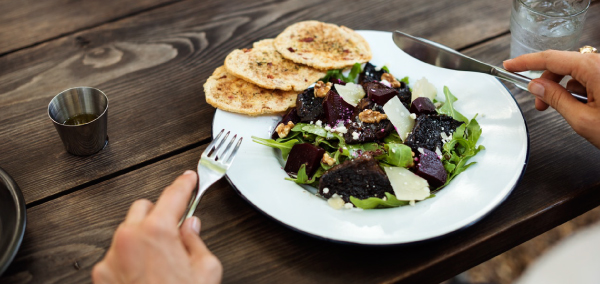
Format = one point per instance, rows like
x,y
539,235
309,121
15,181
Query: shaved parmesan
x,y
351,93
407,186
423,88
399,116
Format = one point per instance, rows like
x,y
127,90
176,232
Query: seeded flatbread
x,y
322,46
265,67
227,92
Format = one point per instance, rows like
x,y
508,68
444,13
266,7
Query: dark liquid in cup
x,y
80,119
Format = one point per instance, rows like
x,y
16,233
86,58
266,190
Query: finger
x,y
552,76
559,62
205,264
190,233
576,87
101,274
138,211
173,201
540,105
556,96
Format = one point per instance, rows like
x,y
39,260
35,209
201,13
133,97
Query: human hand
x,y
149,248
585,70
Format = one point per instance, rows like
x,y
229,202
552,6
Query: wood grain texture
x,y
28,22
152,67
254,249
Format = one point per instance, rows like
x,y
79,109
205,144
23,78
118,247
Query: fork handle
x,y
194,203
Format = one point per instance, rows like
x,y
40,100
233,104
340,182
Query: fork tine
x,y
232,155
212,143
222,152
220,144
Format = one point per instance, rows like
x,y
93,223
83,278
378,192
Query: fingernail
x,y
188,172
195,224
537,89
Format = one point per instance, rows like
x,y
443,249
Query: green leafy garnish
x,y
398,155
448,107
338,74
374,202
302,177
285,147
461,148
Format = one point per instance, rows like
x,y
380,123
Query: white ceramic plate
x,y
258,175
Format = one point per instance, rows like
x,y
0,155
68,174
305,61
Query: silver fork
x,y
212,166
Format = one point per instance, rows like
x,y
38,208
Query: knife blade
x,y
442,56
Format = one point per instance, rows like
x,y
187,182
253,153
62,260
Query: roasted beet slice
x,y
430,167
304,154
369,74
337,81
309,107
404,94
422,105
291,115
367,132
379,93
336,109
427,130
361,178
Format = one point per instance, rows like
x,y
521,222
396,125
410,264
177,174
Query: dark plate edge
x,y
17,238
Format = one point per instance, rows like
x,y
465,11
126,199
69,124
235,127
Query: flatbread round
x,y
322,46
229,93
265,67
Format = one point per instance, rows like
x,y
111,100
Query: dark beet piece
x,y
309,107
361,178
369,74
427,130
291,115
404,94
336,109
337,81
430,167
422,105
304,154
368,132
379,93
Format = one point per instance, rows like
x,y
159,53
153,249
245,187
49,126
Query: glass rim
x,y
75,88
589,2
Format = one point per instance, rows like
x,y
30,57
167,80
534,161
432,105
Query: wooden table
x,y
152,57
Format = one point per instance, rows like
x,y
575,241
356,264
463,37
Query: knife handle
x,y
523,81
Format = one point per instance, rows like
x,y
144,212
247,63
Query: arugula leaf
x,y
285,147
385,68
448,107
405,80
317,130
338,74
462,147
393,138
398,155
374,202
302,177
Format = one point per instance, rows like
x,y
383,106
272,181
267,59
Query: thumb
x,y
204,263
556,96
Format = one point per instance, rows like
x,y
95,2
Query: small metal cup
x,y
82,139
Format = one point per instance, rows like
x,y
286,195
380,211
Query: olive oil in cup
x,y
80,117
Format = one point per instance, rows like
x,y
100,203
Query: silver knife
x,y
442,56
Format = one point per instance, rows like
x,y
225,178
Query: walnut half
x,y
321,89
327,159
370,116
390,78
284,129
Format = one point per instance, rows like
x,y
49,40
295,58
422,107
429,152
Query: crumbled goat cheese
x,y
348,205
355,135
319,123
325,190
413,116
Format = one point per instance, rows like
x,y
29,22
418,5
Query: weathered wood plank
x,y
560,183
152,67
27,22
